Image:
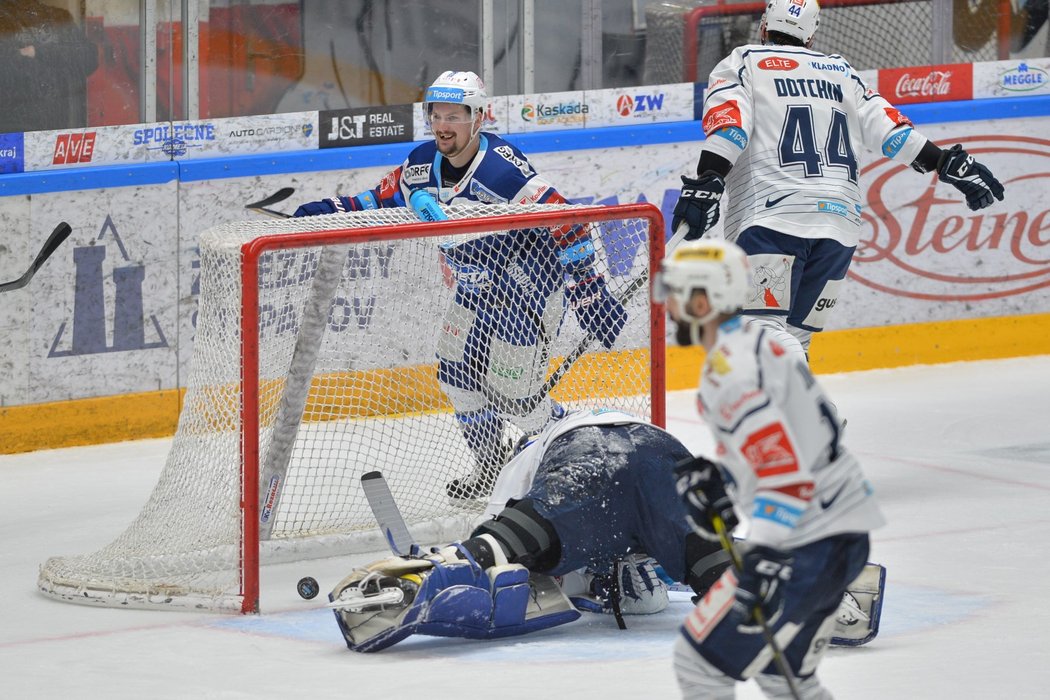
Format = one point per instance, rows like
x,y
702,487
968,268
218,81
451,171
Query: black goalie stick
x,y
279,196
60,234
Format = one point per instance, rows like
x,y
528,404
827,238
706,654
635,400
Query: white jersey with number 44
x,y
792,121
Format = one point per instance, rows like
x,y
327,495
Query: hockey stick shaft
x,y
679,234
778,655
522,407
60,234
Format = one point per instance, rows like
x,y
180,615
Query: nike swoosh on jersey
x,y
770,202
825,504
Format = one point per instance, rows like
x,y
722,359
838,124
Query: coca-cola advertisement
x,y
927,83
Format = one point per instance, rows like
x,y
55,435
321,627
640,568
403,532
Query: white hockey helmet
x,y
795,18
457,87
714,266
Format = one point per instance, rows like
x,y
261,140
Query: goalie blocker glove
x,y
702,490
975,181
697,205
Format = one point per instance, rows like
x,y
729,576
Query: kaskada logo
x,y
922,242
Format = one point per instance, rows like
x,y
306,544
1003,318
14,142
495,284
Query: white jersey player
x,y
784,125
782,465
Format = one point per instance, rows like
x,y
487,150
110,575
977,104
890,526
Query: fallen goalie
x,y
585,518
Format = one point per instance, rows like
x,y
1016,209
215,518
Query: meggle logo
x,y
1024,78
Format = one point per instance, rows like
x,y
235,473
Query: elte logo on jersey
x,y
778,63
727,114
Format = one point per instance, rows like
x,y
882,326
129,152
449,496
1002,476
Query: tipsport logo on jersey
x,y
920,241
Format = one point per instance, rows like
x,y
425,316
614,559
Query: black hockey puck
x,y
308,587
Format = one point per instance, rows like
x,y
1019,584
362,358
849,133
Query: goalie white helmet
x,y
717,267
795,18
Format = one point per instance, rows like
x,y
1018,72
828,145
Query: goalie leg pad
x,y
446,599
857,619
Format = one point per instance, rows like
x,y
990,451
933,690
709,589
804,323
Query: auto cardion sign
x,y
922,242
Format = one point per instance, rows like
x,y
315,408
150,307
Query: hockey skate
x,y
479,483
389,600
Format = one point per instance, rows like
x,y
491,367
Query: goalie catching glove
x,y
697,205
975,181
702,490
446,594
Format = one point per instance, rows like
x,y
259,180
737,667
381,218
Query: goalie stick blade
x,y
387,514
57,237
278,196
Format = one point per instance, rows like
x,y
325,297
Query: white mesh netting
x,y
348,383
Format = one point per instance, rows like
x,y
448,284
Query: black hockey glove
x,y
700,486
760,585
597,310
975,181
325,206
698,204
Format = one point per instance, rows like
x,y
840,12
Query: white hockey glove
x,y
697,206
975,181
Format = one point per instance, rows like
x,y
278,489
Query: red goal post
x,y
314,362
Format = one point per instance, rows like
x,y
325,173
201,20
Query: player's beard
x,y
452,142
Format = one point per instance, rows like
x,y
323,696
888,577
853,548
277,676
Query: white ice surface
x,y
959,455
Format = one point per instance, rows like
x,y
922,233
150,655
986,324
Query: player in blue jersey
x,y
511,289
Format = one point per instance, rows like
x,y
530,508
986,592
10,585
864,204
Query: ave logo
x,y
74,148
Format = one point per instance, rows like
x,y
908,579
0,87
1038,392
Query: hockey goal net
x,y
687,38
314,362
